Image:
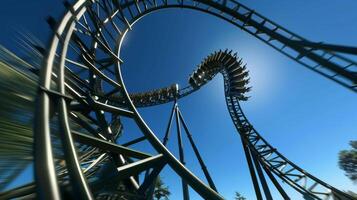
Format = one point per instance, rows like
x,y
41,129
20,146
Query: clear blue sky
x,y
308,118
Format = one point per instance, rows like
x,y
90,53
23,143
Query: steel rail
x,y
240,121
45,174
76,175
192,180
268,32
231,11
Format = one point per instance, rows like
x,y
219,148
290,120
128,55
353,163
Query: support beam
x,y
275,182
327,47
167,134
262,178
131,169
112,109
83,123
150,179
19,192
247,156
252,171
182,156
108,146
137,140
197,153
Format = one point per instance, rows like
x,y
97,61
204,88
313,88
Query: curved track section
x,y
206,70
81,90
235,81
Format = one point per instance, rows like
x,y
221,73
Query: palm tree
x,y
18,89
239,196
348,161
17,92
161,191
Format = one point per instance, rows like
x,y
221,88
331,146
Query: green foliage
x,y
17,91
348,161
353,144
352,194
161,191
238,196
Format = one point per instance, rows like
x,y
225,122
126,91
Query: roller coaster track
x,y
81,80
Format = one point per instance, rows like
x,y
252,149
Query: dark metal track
x,y
268,156
81,74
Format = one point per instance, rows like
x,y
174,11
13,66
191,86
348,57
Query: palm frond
x,y
17,92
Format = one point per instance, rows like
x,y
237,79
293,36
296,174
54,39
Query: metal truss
x,y
82,93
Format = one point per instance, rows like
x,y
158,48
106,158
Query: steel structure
x,y
81,90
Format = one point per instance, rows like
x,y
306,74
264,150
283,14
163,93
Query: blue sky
x,y
307,117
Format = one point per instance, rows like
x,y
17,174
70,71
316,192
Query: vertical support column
x,y
229,100
252,171
182,158
167,134
262,178
258,163
150,180
197,153
275,182
156,171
